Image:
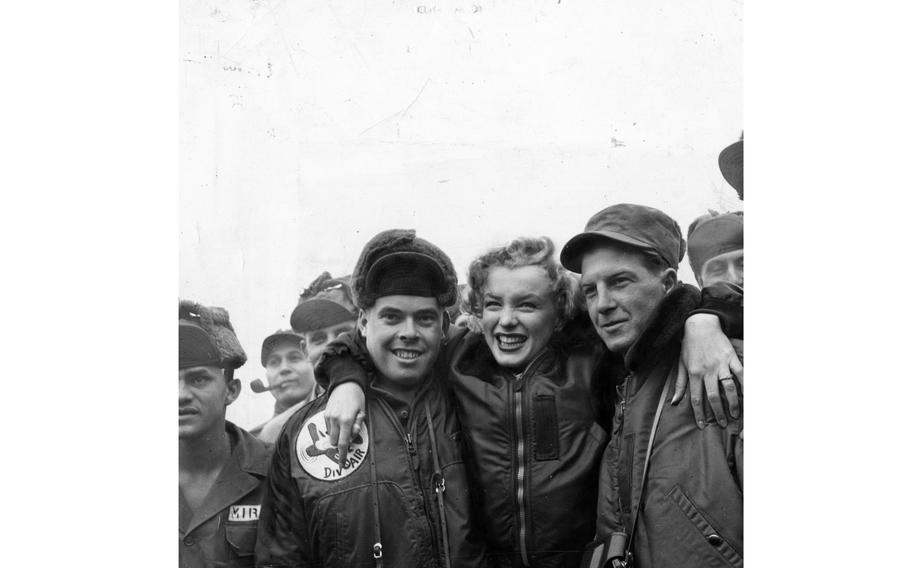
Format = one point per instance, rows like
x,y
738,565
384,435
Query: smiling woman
x,y
521,295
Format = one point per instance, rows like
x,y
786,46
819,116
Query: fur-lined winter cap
x,y
207,338
397,261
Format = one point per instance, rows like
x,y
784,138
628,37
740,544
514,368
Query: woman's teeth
x,y
511,342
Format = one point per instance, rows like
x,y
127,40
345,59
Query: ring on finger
x,y
727,378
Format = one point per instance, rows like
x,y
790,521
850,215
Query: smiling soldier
x,y
400,495
222,467
670,492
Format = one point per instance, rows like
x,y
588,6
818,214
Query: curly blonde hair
x,y
525,251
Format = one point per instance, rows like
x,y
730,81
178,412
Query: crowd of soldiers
x,y
580,407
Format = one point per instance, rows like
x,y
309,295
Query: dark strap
x,y
440,488
644,474
377,532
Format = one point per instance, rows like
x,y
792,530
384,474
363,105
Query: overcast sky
x,y
308,127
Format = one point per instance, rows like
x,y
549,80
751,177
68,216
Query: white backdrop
x,y
307,127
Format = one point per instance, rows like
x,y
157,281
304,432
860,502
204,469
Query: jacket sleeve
x,y
281,540
345,359
726,302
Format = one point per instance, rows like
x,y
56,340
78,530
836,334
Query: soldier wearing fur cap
x,y
222,467
400,495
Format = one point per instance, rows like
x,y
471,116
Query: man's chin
x,y
406,377
615,344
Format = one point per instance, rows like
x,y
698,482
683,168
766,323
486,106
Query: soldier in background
x,y
222,467
325,311
730,161
716,249
290,378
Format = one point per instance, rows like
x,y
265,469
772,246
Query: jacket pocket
x,y
241,537
698,520
545,426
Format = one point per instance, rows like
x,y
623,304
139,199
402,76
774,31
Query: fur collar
x,y
665,329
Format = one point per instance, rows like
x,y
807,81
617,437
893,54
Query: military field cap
x,y
635,225
730,161
398,262
276,339
207,338
326,302
714,234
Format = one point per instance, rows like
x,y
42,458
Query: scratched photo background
x,y
307,127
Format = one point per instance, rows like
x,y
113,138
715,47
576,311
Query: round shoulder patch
x,y
319,458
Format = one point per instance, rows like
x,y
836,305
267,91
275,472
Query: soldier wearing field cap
x,y
670,492
290,380
325,311
222,467
400,496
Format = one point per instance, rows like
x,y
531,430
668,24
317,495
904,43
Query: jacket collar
x,y
474,358
664,330
241,475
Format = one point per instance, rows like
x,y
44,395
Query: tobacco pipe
x,y
258,387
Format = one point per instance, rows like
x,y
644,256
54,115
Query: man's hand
x,y
710,362
344,414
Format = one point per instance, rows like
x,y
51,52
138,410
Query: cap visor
x,y
571,254
317,314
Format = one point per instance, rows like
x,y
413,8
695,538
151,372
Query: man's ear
x,y
362,322
669,278
233,391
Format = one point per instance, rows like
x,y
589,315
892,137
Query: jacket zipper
x,y
520,482
520,477
412,459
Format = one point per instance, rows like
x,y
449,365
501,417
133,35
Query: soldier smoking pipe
x,y
257,387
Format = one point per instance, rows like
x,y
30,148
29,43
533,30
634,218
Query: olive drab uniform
x,y
222,532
